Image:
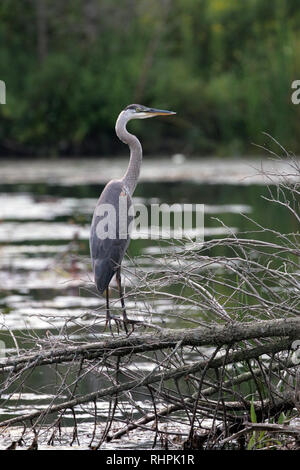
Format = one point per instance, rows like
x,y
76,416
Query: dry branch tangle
x,y
215,335
175,373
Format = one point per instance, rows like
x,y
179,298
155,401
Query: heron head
x,y
138,111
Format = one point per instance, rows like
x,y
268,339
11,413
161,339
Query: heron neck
x,y
131,176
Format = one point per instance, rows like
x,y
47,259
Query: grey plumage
x,y
107,253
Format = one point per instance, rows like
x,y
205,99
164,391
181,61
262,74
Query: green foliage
x,y
262,439
257,439
252,413
225,66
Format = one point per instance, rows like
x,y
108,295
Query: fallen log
x,y
211,335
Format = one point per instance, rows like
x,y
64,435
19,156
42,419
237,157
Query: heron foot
x,y
109,316
118,321
125,321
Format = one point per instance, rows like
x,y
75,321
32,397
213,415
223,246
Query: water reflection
x,y
45,276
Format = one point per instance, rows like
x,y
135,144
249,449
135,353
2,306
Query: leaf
x,y
252,413
281,418
252,441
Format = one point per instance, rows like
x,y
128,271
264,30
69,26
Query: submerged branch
x,y
175,373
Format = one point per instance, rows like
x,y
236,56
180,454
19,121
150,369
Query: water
x,y
46,283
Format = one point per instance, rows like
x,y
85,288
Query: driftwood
x,y
242,355
214,335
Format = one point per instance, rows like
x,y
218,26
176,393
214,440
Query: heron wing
x,y
107,253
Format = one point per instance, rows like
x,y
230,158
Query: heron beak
x,y
158,112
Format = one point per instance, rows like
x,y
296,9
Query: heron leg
x,y
108,315
118,279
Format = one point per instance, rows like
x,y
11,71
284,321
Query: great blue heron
x,y
107,252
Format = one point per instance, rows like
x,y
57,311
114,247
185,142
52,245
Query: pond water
x,y
45,273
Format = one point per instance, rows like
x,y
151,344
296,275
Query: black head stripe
x,y
134,106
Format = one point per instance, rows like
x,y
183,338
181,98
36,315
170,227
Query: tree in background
x,y
226,66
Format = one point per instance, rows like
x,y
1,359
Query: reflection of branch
x,y
242,355
216,370
241,378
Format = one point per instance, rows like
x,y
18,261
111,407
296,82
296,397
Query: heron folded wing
x,y
103,273
107,253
